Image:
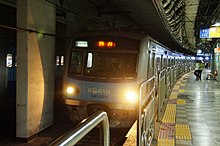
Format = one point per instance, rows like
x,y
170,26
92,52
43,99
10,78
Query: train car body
x,y
105,69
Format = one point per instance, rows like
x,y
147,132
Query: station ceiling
x,y
174,23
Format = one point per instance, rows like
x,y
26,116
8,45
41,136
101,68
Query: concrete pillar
x,y
35,67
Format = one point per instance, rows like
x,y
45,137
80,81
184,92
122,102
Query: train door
x,y
168,77
175,69
157,71
161,84
172,65
165,68
151,70
151,65
178,67
146,123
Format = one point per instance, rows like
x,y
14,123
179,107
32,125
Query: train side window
x,y
89,60
150,68
9,60
153,64
165,62
158,63
161,62
169,62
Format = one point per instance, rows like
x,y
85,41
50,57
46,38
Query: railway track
x,y
92,132
117,137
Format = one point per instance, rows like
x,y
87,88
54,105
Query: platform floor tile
x,y
181,101
201,111
183,132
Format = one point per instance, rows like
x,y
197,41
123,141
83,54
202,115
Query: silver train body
x,y
104,71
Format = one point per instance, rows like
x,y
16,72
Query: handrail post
x,y
104,133
84,128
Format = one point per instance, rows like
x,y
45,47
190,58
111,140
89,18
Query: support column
x,y
35,67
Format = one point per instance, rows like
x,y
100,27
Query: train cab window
x,y
76,62
111,65
9,60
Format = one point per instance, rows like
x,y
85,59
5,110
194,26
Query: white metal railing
x,y
85,127
143,99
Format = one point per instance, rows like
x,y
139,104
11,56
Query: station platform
x,y
191,115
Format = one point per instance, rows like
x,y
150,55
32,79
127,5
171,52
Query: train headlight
x,y
72,90
131,96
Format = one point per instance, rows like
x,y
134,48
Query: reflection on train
x,y
105,70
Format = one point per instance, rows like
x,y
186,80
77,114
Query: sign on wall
x,y
212,32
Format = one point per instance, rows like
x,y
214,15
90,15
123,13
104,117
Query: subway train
x,y
124,73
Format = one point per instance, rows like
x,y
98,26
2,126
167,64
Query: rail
x,y
85,127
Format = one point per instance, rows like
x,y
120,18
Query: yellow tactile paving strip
x,y
182,91
165,142
173,95
170,114
181,101
183,132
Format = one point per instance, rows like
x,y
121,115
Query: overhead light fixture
x,y
215,22
199,51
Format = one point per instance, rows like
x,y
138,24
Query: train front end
x,y
102,75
